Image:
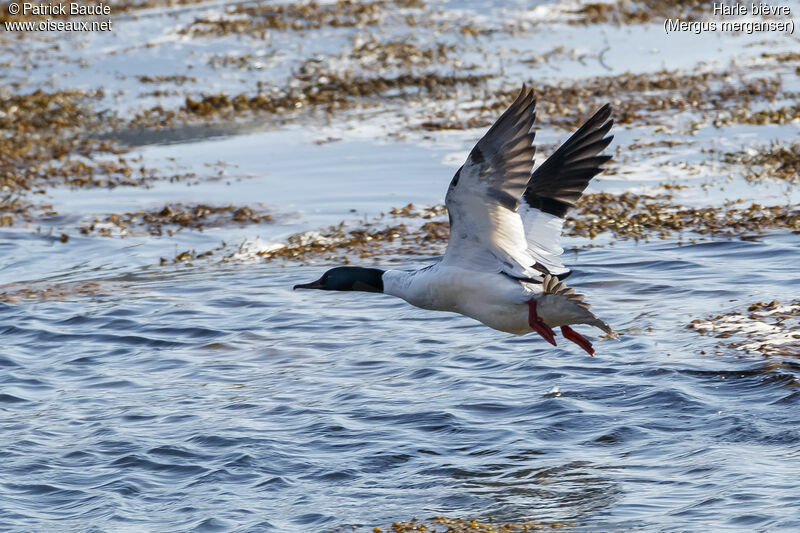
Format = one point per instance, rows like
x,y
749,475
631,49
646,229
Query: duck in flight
x,y
502,265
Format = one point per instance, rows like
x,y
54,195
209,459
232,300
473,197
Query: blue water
x,y
136,396
216,399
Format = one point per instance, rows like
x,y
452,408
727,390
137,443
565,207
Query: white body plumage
x,y
496,300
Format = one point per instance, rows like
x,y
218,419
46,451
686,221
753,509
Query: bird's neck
x,y
366,279
398,282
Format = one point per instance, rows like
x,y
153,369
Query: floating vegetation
x,y
53,139
257,19
559,53
638,97
762,117
636,216
623,12
776,161
642,98
340,243
373,69
187,256
48,140
411,210
56,111
645,98
717,97
39,128
649,98
445,524
175,217
375,54
324,90
178,79
19,292
370,239
329,91
128,6
14,208
623,216
87,172
782,57
766,328
85,8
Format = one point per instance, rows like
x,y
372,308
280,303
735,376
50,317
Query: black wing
x,y
559,182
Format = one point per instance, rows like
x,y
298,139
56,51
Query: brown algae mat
x,y
767,328
627,12
175,217
778,161
617,216
61,137
257,19
55,291
443,524
717,97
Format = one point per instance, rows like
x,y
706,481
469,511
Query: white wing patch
x,y
484,234
543,235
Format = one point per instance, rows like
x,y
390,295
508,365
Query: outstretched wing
x,y
557,185
490,230
486,232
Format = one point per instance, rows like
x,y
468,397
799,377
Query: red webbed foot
x,y
538,325
577,338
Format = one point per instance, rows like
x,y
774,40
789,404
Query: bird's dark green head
x,y
348,279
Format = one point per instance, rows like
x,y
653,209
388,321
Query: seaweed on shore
x,y
40,128
317,90
175,217
627,12
14,208
719,97
620,216
760,117
778,160
116,7
644,97
256,19
60,138
652,98
635,216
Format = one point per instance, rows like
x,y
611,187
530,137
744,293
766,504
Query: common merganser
x,y
502,264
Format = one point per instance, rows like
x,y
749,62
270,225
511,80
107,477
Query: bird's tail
x,y
552,285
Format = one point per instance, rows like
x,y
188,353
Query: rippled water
x,y
211,397
217,399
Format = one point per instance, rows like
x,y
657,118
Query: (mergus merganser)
x,y
502,265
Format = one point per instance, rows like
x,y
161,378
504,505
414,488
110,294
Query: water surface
x,y
141,396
